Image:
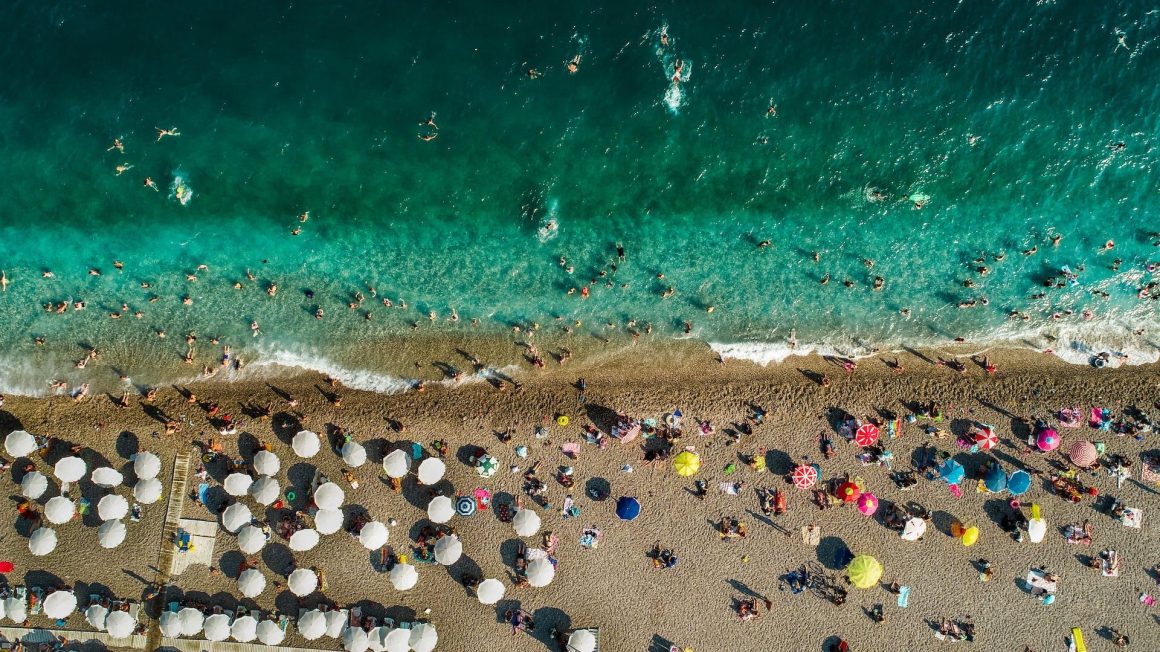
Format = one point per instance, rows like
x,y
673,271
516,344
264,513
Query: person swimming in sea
x,y
162,133
664,36
117,145
771,112
619,252
573,65
533,73
677,68
123,168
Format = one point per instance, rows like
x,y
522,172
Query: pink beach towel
x,y
956,491
571,450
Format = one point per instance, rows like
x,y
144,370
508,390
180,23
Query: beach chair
x,y
35,600
416,451
184,541
174,606
388,622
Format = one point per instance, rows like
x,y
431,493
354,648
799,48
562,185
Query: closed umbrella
x,y
235,516
146,465
120,624
107,477
914,529
33,485
1083,454
1047,440
302,582
994,478
59,509
1036,526
269,633
70,469
328,521
303,540
329,496
627,509
396,464
864,571
396,640
423,638
42,541
15,609
170,624
265,490
951,471
1019,482
335,623
687,463
244,629
354,639
373,535
266,463
217,627
111,534
353,454
237,484
867,504
848,492
486,466
540,572
440,509
985,437
19,443
431,470
60,604
866,435
490,591
581,640
448,550
526,522
251,539
251,582
306,444
312,625
112,507
147,491
95,616
404,576
192,621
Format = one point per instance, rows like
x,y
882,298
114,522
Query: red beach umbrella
x,y
1048,440
866,435
804,476
848,492
985,438
1083,454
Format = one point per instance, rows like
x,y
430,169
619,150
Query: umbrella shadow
x,y
743,588
778,462
996,509
942,521
509,550
465,454
660,644
831,643
831,550
504,606
230,563
9,422
960,427
43,579
597,487
127,444
604,418
465,567
548,619
278,558
285,425
377,448
299,477
420,495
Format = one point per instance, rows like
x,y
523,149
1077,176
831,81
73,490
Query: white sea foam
x,y
283,361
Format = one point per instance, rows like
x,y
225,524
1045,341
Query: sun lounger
x,y
35,600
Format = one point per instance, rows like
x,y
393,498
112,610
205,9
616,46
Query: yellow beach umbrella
x,y
687,463
970,536
864,571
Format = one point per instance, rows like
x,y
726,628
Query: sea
x,y
666,168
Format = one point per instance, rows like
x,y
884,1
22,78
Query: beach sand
x,y
614,587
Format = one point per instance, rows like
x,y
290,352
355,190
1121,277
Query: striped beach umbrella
x,y
866,435
804,476
985,437
465,506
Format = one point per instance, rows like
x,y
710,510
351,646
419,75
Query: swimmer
x,y
117,145
150,183
533,73
272,290
1117,147
254,329
817,256
905,312
879,282
1120,42
619,252
1108,246
123,168
192,278
1055,238
848,283
763,244
118,265
428,137
677,67
429,122
305,216
664,36
825,279
187,300
454,315
573,65
296,231
318,314
868,263
973,140
710,309
688,327
47,274
1001,256
1032,251
162,133
771,112
94,272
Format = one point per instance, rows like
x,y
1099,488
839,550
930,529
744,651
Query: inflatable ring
x,y
290,495
670,421
562,420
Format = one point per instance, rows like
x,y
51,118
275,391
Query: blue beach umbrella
x,y
995,480
952,472
1019,483
627,508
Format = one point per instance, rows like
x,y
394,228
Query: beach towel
x,y
729,488
811,535
571,450
416,450
904,596
203,492
956,491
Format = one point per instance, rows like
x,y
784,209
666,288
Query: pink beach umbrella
x,y
985,438
804,476
1048,440
866,435
867,504
1083,454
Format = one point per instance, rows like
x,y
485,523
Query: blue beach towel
x,y
904,596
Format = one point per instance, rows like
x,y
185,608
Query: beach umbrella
x,y
169,623
235,516
951,471
465,506
19,443
540,572
335,623
490,591
146,465
111,534
354,639
1036,526
440,509
303,540
486,466
306,444
265,490
33,485
867,503
237,484
95,616
192,620
147,491
120,624
864,571
1083,454
914,529
373,535
16,609
404,576
328,521
60,604
848,492
423,638
804,476
866,435
396,640
581,640
59,509
269,633
70,469
526,522
396,464
353,454
329,496
985,437
687,463
448,550
42,541
217,627
312,625
107,477
627,509
244,629
1047,440
970,536
251,539
302,582
994,479
251,582
1019,482
266,463
431,470
376,636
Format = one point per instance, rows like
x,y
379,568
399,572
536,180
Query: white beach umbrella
x,y
914,529
354,639
440,509
111,534
582,640
251,582
235,516
312,625
42,541
328,521
540,572
431,470
1036,529
306,444
120,624
192,620
170,624
146,465
423,637
60,604
490,591
244,629
15,609
265,490
19,443
329,496
107,477
266,463
217,627
2,611
237,484
95,616
112,507
354,454
397,640
373,535
404,576
526,522
59,510
147,491
448,550
302,582
335,623
251,539
375,638
269,633
70,469
396,464
304,539
33,485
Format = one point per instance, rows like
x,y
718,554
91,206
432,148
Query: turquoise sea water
x,y
1003,113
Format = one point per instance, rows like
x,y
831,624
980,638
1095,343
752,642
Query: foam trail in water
x,y
271,359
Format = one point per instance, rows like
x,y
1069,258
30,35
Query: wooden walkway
x,y
33,637
177,486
